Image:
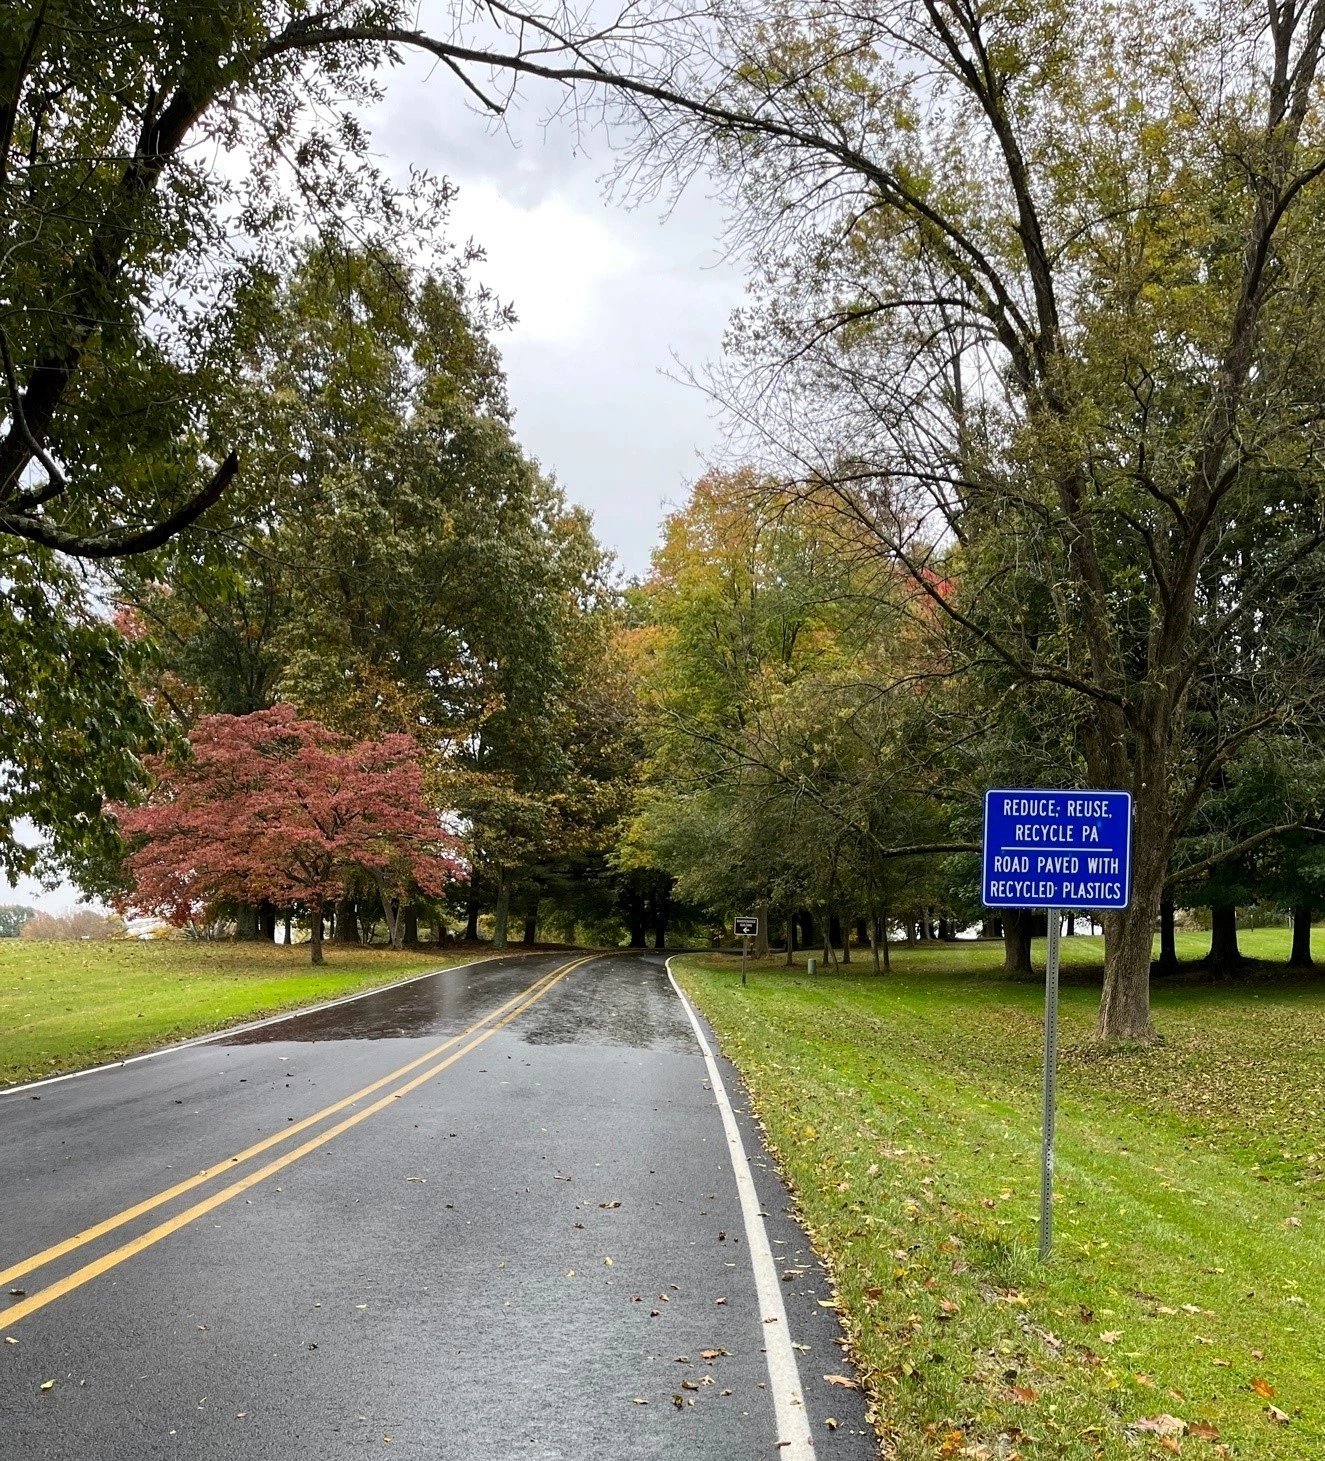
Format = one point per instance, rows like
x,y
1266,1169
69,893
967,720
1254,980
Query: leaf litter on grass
x,y
921,1101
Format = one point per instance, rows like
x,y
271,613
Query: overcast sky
x,y
607,297
609,300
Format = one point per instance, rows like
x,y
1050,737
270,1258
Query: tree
x,y
13,916
269,806
1038,287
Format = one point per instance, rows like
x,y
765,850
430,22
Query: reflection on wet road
x,y
434,1004
619,1002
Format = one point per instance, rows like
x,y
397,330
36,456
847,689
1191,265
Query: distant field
x,y
1269,944
65,1005
1188,1279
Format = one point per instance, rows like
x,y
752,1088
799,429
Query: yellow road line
x,y
69,1245
119,1255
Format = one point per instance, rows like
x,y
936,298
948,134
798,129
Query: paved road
x,y
541,1232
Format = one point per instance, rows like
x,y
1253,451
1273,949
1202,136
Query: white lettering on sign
x,y
1085,807
1044,832
1030,806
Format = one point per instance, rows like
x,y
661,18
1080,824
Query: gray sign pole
x,y
745,950
1050,1084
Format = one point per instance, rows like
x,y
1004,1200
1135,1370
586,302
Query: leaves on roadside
x,y
844,1381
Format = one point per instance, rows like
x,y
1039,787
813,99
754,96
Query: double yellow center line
x,y
467,1040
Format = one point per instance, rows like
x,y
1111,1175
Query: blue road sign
x,y
1057,849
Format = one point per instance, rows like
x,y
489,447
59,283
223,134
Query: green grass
x,y
68,1005
1188,1276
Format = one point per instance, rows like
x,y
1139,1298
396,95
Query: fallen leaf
x,y
831,1422
689,1385
1147,1380
1292,1222
48,1384
609,1204
17,1293
1161,1425
719,1301
1258,1354
1203,1430
843,1380
1111,1336
1263,1388
1273,1411
9,1339
1024,1395
711,1354
639,1400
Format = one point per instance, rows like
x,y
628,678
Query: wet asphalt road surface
x,y
501,1263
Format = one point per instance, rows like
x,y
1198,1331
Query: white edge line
x,y
228,1030
794,1439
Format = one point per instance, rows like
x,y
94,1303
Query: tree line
x,y
1029,364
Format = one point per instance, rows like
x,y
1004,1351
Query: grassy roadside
x,y
1187,1285
68,1005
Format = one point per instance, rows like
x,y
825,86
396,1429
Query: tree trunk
x,y
267,921
410,938
761,938
315,943
1017,941
807,929
1069,925
1224,956
791,937
1168,943
872,933
347,922
246,922
394,919
471,920
288,930
883,939
844,924
531,924
441,930
1300,958
503,910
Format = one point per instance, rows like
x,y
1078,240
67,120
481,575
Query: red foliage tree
x,y
269,806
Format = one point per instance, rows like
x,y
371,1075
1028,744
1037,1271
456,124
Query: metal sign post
x,y
1050,1085
1057,850
746,929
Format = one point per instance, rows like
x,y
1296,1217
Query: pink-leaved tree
x,y
269,806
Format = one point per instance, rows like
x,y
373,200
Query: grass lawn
x,y
1188,1278
68,1005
